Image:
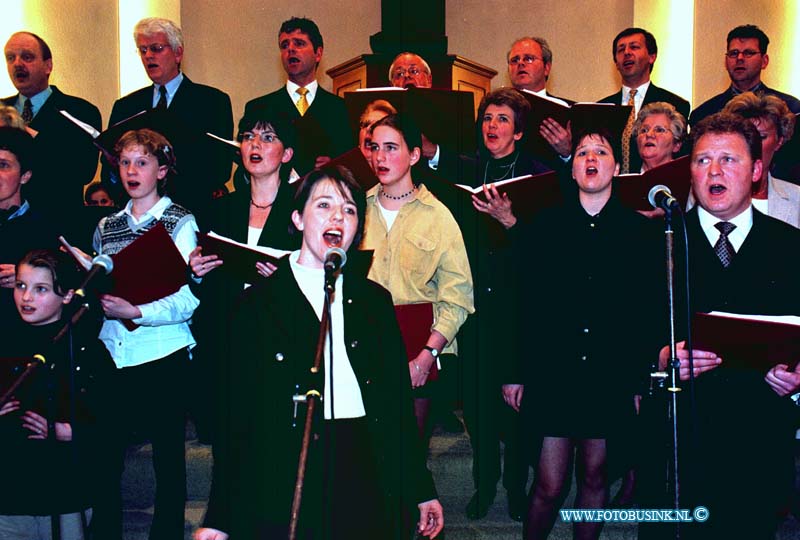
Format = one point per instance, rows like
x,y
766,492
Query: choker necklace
x,y
259,206
509,170
399,197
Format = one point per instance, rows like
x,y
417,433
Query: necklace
x,y
259,206
509,170
399,197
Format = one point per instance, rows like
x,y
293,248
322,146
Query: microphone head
x,y
651,196
104,261
336,251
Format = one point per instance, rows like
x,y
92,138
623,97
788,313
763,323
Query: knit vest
x,y
119,231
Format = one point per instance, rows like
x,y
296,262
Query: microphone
x,y
101,262
335,259
661,197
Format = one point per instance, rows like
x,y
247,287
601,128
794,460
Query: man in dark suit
x,y
634,52
203,165
745,58
736,458
323,127
67,159
530,60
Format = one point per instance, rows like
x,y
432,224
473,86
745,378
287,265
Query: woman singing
x,y
366,466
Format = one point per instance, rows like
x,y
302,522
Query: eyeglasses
x,y
401,73
154,48
733,54
658,130
263,136
527,59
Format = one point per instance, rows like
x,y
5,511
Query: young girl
x,y
419,251
51,440
152,359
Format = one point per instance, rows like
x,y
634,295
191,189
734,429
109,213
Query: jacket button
x,y
279,357
349,300
354,344
368,381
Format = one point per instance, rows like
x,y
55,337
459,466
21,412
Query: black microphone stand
x,y
310,398
673,373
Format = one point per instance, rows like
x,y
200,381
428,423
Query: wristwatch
x,y
434,352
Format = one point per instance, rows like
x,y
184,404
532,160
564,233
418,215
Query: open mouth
x,y
381,170
491,136
717,189
650,144
591,171
133,185
628,63
27,310
255,158
293,60
332,237
21,74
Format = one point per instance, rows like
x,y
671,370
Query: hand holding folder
x,y
149,268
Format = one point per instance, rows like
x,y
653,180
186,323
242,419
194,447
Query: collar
x,y
758,87
156,211
743,222
21,209
640,92
312,87
37,100
171,86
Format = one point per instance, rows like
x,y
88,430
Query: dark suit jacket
x,y
273,347
654,94
203,165
66,159
219,291
323,131
754,472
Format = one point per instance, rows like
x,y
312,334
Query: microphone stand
x,y
310,398
674,364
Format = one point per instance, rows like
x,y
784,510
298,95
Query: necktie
x,y
27,111
162,100
626,134
302,103
723,248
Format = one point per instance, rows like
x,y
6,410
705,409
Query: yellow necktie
x,y
302,103
626,134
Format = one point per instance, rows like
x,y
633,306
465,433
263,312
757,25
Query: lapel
x,y
182,98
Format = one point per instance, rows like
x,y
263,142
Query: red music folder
x,y
632,189
416,321
748,341
528,194
149,268
239,260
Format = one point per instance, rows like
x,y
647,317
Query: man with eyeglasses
x,y
69,159
530,60
320,118
203,165
745,58
634,52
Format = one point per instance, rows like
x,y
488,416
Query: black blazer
x,y
762,279
323,131
654,94
274,337
203,165
66,159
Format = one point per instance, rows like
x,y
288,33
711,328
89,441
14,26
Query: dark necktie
x,y
162,101
723,248
27,111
